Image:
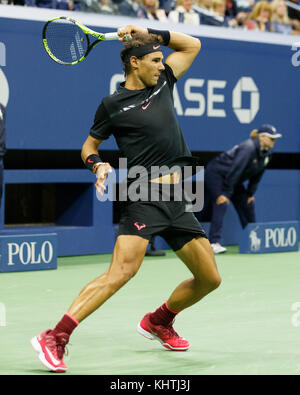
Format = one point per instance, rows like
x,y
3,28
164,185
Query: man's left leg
x,y
246,212
199,258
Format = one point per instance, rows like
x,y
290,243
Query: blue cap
x,y
270,131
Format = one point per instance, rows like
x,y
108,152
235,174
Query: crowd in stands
x,y
267,16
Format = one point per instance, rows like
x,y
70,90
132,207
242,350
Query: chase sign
x,y
270,237
20,253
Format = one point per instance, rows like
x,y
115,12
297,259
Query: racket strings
x,y
66,41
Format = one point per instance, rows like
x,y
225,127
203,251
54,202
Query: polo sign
x,y
270,237
20,253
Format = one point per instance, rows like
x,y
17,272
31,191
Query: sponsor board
x,y
261,238
20,253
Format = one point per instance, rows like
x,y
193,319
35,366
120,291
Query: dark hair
x,y
138,40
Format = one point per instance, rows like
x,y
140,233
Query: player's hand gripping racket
x,y
68,41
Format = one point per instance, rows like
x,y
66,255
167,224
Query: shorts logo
x,y
139,226
156,46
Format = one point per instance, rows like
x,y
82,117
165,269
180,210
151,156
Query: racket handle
x,y
115,36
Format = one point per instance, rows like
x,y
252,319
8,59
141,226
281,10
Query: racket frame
x,y
99,36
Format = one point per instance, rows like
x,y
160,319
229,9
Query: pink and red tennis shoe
x,y
166,335
51,349
50,345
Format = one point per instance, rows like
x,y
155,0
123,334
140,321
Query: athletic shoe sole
x,y
151,336
37,347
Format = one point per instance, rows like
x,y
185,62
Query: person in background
x,y
231,9
219,8
260,17
131,8
101,7
2,144
184,13
224,179
151,10
46,3
167,5
294,15
280,20
245,5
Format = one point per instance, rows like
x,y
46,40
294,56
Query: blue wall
x,y
49,100
231,88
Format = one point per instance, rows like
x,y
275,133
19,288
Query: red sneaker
x,y
166,335
51,349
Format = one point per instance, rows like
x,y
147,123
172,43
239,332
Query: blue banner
x,y
20,253
261,238
231,88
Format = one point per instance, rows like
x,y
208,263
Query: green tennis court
x,y
247,326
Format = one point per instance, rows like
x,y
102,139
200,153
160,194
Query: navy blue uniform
x,y
225,175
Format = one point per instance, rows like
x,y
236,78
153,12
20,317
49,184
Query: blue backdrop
x,y
230,89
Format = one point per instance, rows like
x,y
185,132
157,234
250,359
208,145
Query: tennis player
x,y
140,115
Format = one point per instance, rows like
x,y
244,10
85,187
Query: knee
x,y
210,283
124,273
127,274
214,282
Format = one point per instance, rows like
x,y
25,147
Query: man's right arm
x,y
90,147
88,152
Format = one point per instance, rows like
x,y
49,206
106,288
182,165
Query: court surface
x,y
247,326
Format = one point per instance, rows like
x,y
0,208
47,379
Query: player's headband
x,y
142,51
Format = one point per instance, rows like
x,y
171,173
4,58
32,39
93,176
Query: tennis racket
x,y
68,42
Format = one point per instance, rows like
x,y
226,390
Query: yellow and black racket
x,y
68,42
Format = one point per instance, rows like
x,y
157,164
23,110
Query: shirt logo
x,y
146,106
139,226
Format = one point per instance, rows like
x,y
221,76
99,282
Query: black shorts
x,y
168,219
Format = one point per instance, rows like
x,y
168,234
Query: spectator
x,y
184,13
46,3
212,12
2,144
236,18
151,10
66,5
167,5
100,7
280,21
245,6
260,17
204,9
294,15
129,8
204,5
219,8
231,9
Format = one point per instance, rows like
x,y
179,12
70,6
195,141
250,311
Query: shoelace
x,y
61,350
168,331
59,347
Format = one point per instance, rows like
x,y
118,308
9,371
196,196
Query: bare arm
x,y
90,147
185,48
